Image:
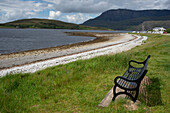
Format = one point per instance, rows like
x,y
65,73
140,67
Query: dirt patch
x,y
130,105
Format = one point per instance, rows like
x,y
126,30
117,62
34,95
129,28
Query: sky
x,y
73,11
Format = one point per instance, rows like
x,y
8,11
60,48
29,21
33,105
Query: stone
x,y
108,98
133,106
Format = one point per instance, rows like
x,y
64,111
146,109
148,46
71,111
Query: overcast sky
x,y
74,11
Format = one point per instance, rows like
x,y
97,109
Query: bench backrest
x,y
144,70
137,73
146,62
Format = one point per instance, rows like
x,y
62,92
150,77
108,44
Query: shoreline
x,y
121,43
53,52
91,34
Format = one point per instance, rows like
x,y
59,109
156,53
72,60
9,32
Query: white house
x,y
157,29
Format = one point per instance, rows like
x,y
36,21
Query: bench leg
x,y
130,95
114,93
119,93
136,96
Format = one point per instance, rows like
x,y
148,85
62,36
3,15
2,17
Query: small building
x,y
149,32
158,29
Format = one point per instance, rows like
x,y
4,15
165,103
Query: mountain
x,y
45,23
125,19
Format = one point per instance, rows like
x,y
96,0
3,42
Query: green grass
x,y
80,86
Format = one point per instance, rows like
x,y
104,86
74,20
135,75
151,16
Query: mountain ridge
x,y
126,19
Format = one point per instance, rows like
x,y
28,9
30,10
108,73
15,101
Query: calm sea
x,y
17,40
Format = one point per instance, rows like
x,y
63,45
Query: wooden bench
x,y
131,79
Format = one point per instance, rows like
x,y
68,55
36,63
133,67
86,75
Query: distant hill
x,y
45,23
149,25
124,19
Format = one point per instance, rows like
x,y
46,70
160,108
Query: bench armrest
x,y
124,79
135,62
139,62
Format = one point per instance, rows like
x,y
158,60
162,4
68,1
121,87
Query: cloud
x,y
17,9
70,10
99,6
167,4
78,11
54,15
77,18
79,6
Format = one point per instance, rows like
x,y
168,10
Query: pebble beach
x,y
35,60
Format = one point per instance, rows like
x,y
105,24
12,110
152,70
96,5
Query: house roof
x,y
158,28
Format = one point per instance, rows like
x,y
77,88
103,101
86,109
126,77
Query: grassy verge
x,y
80,86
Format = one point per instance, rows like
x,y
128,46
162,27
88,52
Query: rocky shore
x,y
31,61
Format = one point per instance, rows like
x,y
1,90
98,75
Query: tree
x,y
168,30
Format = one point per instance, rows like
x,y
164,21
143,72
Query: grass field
x,y
80,86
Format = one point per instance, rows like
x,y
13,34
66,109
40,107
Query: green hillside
x,y
46,23
125,19
149,25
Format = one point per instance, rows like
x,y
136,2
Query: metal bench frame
x,y
131,79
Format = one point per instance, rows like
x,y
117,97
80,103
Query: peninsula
x,y
36,23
